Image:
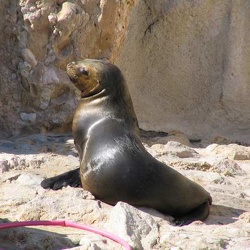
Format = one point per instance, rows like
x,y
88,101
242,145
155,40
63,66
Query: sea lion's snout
x,y
71,65
71,71
76,70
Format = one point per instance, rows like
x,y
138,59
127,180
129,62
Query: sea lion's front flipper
x,y
70,178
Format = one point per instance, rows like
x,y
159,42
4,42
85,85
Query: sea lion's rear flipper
x,y
70,178
199,213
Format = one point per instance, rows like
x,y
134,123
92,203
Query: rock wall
x,y
40,38
186,62
9,81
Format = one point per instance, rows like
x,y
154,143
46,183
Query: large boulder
x,y
187,65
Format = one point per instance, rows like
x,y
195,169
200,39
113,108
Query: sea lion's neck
x,y
94,97
119,105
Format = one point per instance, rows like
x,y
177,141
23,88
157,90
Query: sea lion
x,y
114,165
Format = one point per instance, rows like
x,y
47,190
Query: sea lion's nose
x,y
71,64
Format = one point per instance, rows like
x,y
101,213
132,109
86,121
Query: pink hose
x,y
64,223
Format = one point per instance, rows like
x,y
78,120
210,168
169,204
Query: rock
x,y
245,217
205,177
52,17
180,150
29,57
94,242
21,197
28,117
232,232
176,136
11,161
13,195
30,238
188,241
137,228
172,59
221,140
181,77
247,192
68,19
67,205
63,98
232,151
24,68
29,180
187,163
41,39
227,167
171,151
50,76
4,166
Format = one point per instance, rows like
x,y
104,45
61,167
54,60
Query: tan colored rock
x,y
245,217
232,151
227,167
136,227
70,18
172,151
22,198
187,67
29,57
39,39
97,242
194,164
186,63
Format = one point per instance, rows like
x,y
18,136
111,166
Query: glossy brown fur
x,y
114,165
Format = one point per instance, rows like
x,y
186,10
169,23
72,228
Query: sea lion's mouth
x,y
73,79
70,66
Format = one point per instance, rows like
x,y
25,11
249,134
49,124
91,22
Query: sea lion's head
x,y
93,76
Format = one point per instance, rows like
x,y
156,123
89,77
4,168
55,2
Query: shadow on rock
x,y
223,215
29,238
39,143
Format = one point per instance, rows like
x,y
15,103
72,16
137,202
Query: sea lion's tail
x,y
199,213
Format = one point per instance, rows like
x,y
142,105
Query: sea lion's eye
x,y
84,71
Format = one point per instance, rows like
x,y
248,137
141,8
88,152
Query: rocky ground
x,y
223,168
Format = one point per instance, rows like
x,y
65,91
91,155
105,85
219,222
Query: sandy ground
x,y
224,170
